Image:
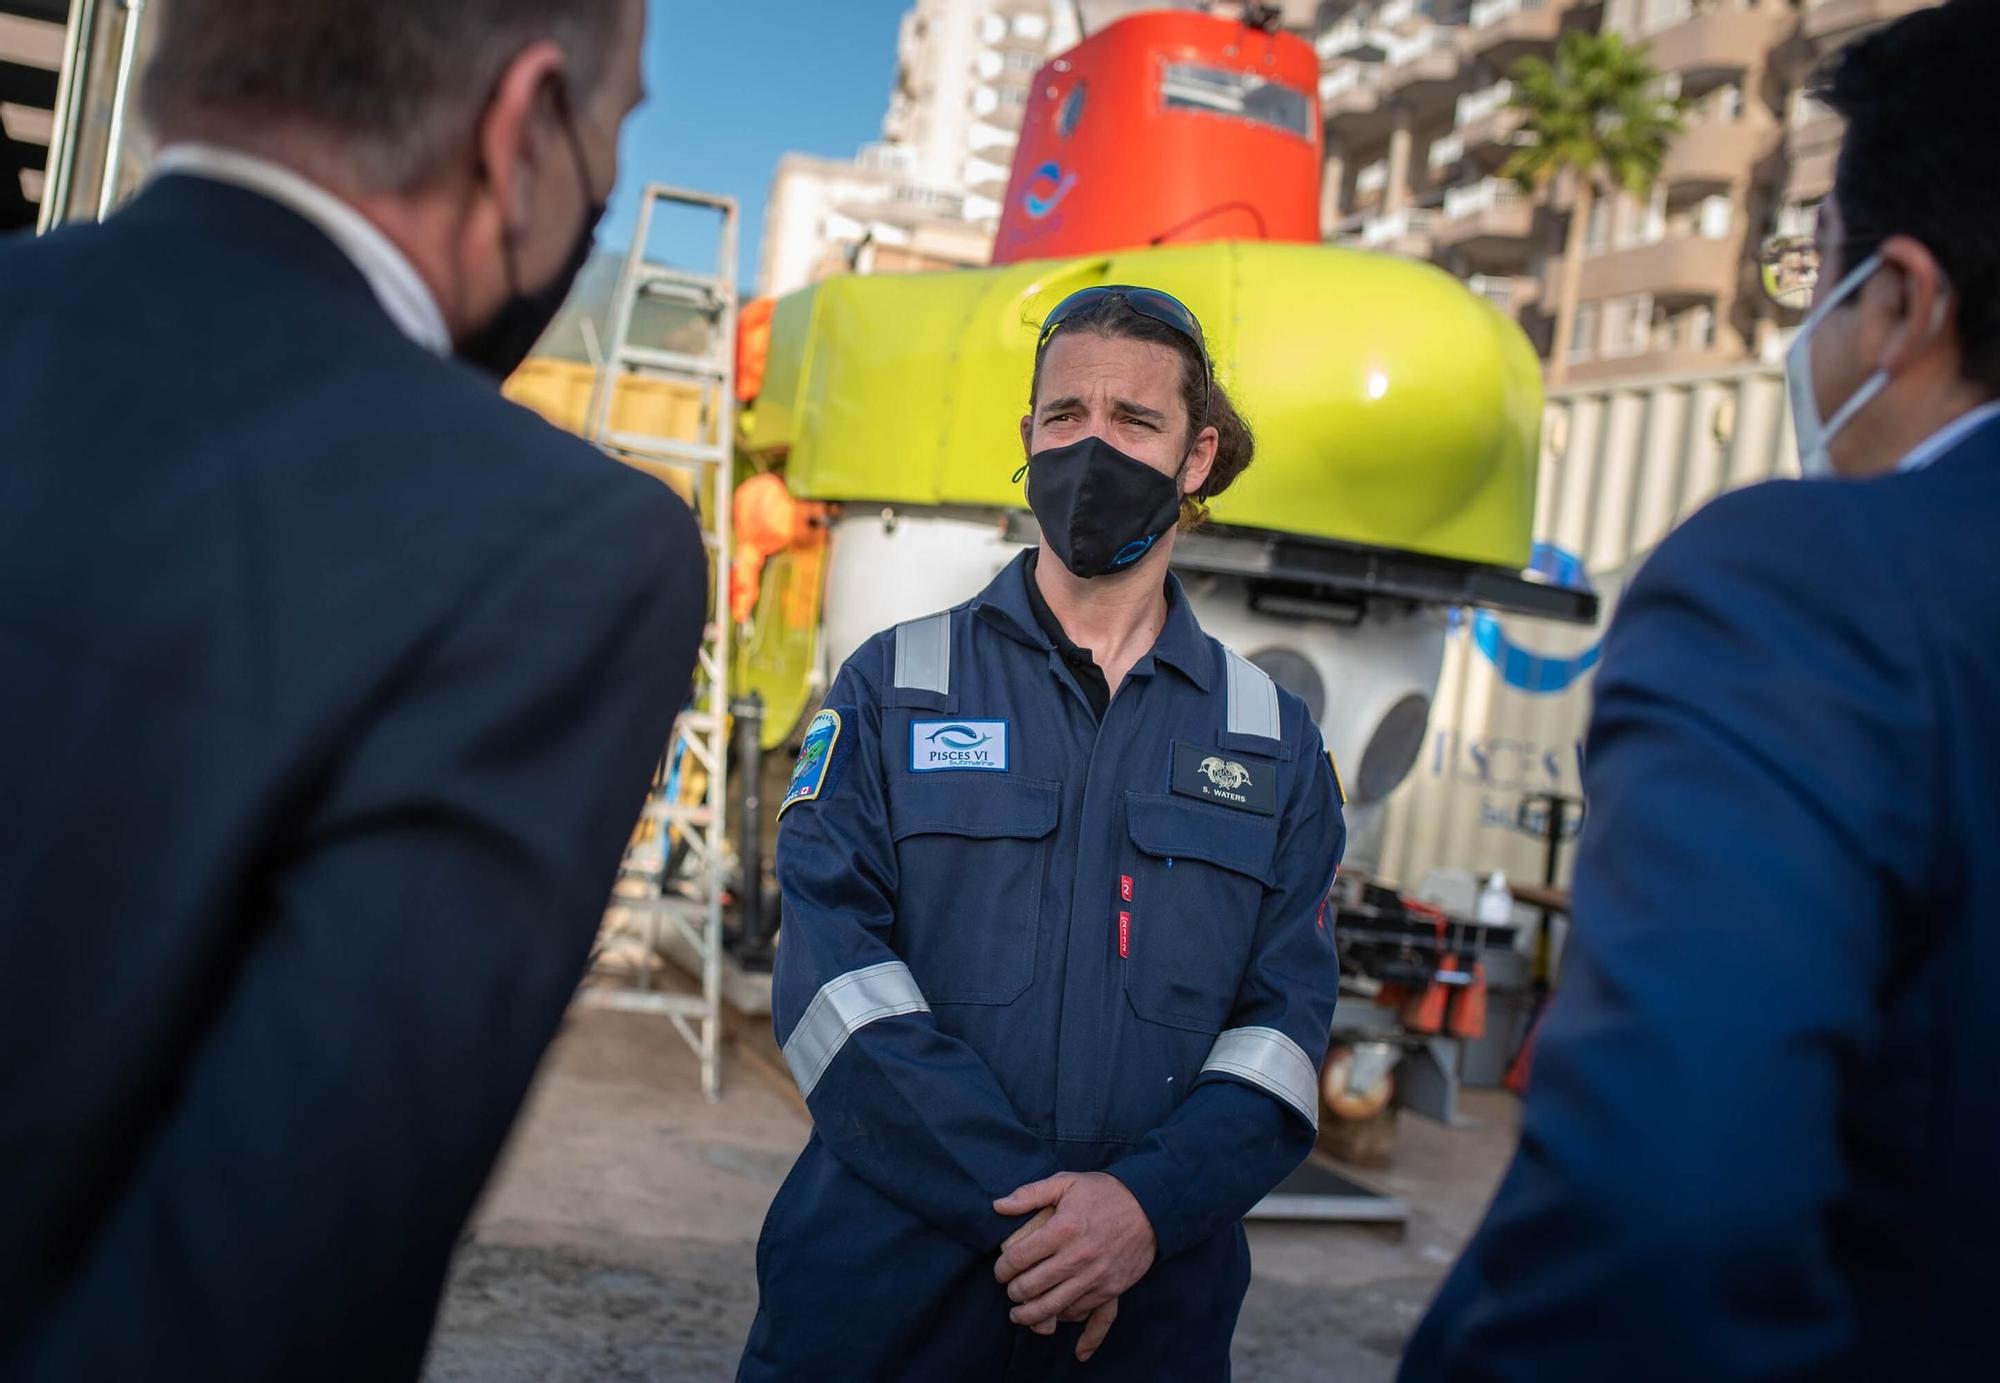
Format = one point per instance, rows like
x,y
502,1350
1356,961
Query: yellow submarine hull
x,y
1393,408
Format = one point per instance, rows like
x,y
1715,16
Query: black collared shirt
x,y
1082,664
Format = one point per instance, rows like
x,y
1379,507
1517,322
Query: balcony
x,y
1831,24
1351,91
1505,292
984,175
1490,139
1407,233
1718,151
1486,215
1486,122
1686,266
1425,67
1502,32
1350,38
1812,146
1653,364
1719,38
1476,106
1445,153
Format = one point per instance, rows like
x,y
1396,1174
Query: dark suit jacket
x,y
1763,1140
330,684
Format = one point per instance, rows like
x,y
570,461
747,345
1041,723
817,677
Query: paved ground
x,y
618,1240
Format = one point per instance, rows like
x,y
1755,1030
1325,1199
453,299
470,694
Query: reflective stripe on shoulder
x,y
1271,1061
923,654
842,1008
1253,699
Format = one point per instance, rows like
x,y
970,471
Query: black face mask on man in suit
x,y
502,344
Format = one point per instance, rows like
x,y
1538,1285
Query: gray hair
x,y
400,81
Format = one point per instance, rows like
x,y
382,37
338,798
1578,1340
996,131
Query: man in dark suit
x,y
1762,1137
330,683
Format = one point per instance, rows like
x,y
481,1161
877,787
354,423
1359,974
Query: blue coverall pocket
x,y
972,857
1199,873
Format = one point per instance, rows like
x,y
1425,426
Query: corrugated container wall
x,y
1621,466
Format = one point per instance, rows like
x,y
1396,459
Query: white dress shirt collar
x,y
394,280
1949,436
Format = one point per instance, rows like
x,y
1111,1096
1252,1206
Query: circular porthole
x,y
1071,113
1392,751
1296,674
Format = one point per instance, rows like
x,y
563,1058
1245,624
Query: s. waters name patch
x,y
1226,778
815,760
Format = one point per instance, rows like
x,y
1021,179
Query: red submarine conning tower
x,y
1166,128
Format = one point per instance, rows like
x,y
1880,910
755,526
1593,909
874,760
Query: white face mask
x,y
1816,437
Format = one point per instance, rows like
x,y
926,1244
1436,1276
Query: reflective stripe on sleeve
x,y
1253,699
843,1007
923,655
1272,1062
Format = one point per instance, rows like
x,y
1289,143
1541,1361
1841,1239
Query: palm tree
x,y
1595,113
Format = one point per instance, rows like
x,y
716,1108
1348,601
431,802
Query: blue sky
x,y
737,83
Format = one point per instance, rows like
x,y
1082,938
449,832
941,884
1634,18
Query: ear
x,y
1201,461
1027,436
1912,303
511,150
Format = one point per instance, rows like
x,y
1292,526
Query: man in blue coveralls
x,y
1056,978
1764,1128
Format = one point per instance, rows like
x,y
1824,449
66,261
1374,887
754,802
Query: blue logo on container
x,y
1046,189
1538,674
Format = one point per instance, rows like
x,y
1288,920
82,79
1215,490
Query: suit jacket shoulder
x,y
1778,619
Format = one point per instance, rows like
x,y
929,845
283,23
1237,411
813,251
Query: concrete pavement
x,y
618,1239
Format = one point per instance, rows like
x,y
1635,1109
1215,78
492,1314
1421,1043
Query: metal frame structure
x,y
82,120
121,103
66,135
1315,577
685,895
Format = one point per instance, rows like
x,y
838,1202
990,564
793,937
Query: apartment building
x,y
1812,132
1418,125
963,71
865,215
928,194
31,56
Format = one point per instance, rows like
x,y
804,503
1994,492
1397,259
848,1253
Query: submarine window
x,y
1295,673
1392,750
1071,113
1241,95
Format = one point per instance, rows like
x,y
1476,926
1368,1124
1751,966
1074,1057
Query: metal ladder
x,y
88,131
685,896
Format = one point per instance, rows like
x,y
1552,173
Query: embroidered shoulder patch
x,y
815,761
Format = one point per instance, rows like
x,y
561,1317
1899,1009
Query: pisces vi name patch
x,y
940,745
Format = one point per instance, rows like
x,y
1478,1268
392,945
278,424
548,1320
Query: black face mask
x,y
1101,511
499,347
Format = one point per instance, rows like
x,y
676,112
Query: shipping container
x,y
1622,465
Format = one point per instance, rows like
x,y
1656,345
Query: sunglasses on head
x,y
1164,308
